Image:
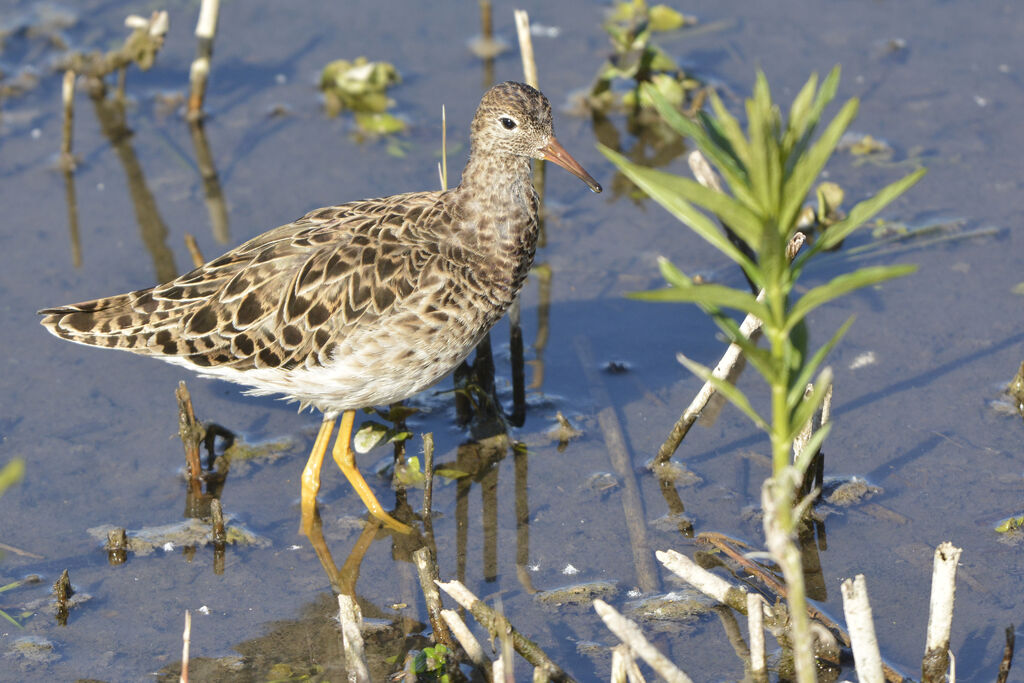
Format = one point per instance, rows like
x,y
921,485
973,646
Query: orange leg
x,y
311,475
346,460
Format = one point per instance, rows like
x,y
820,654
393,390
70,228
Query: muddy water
x,y
97,429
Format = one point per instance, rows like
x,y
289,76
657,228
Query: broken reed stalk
x,y
706,582
191,434
352,639
470,645
526,48
755,633
1004,665
628,632
814,475
206,29
426,569
618,453
67,95
186,640
867,659
940,614
428,481
193,250
624,666
496,623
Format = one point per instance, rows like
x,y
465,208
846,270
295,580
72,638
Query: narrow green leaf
x,y
707,295
810,164
760,358
735,396
647,180
796,390
722,157
673,275
738,217
825,95
865,211
798,112
841,285
758,168
11,619
803,459
730,130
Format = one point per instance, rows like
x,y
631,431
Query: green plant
x,y
430,664
769,171
11,474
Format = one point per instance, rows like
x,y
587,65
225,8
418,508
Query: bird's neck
x,y
497,191
497,207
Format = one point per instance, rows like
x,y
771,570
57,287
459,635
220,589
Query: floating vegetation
x,y
637,60
361,86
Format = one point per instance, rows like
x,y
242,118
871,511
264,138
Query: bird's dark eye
x,y
507,122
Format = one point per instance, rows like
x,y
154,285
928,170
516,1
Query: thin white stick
x,y
755,626
940,613
352,640
866,657
629,633
442,166
465,637
624,666
526,48
186,639
707,583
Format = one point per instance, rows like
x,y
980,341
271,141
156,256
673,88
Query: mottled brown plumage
x,y
360,304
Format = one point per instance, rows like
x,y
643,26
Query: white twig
x,y
624,667
629,633
526,47
465,637
940,612
707,583
940,615
352,640
755,625
186,639
859,622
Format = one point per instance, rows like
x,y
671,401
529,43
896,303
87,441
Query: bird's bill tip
x,y
553,151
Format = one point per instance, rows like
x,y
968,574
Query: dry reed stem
x,y
628,632
624,666
426,569
186,639
526,48
67,94
940,613
709,584
867,659
352,639
206,29
466,639
496,624
193,250
1004,665
755,632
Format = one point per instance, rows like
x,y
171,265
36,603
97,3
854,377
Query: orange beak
x,y
553,151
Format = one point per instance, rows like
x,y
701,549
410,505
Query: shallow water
x,y
98,430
